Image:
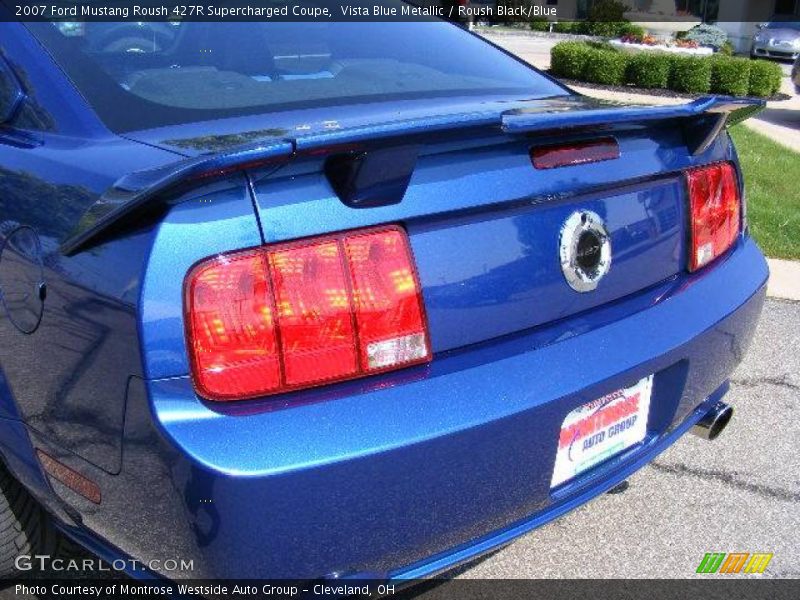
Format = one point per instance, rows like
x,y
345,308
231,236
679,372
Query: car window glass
x,y
142,75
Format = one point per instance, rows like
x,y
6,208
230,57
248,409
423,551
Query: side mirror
x,y
11,94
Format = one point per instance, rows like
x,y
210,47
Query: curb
x,y
784,279
540,35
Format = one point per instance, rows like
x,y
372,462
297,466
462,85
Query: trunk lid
x,y
485,225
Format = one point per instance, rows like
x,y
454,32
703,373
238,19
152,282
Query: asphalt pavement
x,y
739,493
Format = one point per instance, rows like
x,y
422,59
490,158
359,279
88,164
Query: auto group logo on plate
x,y
600,429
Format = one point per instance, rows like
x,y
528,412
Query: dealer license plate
x,y
602,428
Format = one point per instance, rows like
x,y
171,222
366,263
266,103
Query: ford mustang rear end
x,y
323,300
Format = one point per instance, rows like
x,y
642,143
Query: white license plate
x,y
602,428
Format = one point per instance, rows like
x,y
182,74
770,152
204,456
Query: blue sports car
x,y
309,300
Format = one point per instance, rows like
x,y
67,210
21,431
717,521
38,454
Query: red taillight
x,y
577,153
314,313
715,212
292,316
230,319
386,296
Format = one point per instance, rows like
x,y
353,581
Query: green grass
x,y
772,180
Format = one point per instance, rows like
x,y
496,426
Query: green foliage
x,y
567,27
649,70
708,35
606,29
727,49
605,67
690,74
568,59
765,79
601,45
730,76
773,204
599,62
632,30
540,24
608,11
606,18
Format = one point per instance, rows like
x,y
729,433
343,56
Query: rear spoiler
x,y
139,191
706,117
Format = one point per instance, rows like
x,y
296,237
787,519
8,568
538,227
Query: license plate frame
x,y
601,429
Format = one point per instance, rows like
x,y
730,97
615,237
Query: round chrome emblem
x,y
585,250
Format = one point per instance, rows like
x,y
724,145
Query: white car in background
x,y
777,39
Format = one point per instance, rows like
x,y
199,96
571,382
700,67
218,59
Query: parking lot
x,y
739,493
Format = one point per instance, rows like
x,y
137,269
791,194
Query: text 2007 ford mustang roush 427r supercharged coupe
x,y
297,300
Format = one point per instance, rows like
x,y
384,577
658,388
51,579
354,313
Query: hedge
x,y
540,24
730,76
606,29
690,74
573,27
724,75
649,70
765,78
568,59
606,67
631,30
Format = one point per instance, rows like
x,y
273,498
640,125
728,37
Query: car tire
x,y
25,527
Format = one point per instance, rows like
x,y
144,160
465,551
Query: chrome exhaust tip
x,y
713,422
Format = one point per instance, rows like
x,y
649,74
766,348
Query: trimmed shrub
x,y
730,76
727,49
540,24
690,74
765,78
568,59
601,45
707,35
573,27
631,30
606,29
606,18
649,70
606,67
608,10
599,62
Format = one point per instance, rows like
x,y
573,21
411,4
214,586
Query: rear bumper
x,y
410,474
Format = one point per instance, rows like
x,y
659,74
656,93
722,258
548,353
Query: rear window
x,y
144,75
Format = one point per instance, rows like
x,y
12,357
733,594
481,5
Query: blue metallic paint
x,y
430,465
409,486
68,378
